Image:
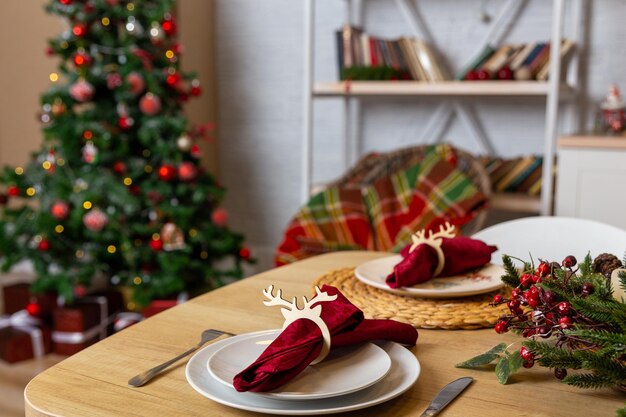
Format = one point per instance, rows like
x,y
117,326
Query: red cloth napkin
x,y
301,342
461,254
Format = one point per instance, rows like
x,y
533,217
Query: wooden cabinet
x,y
591,177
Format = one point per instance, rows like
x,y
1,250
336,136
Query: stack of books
x,y
517,175
524,62
364,57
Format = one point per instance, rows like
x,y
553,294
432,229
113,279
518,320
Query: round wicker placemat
x,y
467,313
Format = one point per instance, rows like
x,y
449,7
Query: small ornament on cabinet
x,y
611,117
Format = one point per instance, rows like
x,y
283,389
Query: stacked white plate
x,y
350,378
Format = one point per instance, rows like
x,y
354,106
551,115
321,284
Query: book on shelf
x,y
524,62
365,57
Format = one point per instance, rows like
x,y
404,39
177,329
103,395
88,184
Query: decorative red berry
x,y
526,280
528,364
560,373
13,191
569,261
516,293
549,297
536,278
544,331
33,308
526,354
497,299
43,245
502,327
156,245
543,269
513,305
563,308
587,289
533,300
565,322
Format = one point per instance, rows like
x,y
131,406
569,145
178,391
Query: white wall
x,y
259,78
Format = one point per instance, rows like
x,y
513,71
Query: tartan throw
x,y
384,215
420,197
335,219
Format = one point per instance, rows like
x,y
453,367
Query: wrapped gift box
x,y
17,296
86,321
22,339
157,306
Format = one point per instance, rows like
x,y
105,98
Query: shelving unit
x,y
454,95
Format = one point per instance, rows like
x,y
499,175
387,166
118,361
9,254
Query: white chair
x,y
553,238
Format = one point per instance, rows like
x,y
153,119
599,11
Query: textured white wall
x,y
259,77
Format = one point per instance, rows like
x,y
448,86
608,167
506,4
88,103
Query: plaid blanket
x,y
384,215
421,197
335,219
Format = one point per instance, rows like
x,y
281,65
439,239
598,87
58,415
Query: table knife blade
x,y
447,394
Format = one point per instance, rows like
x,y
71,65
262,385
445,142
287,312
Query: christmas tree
x,y
117,189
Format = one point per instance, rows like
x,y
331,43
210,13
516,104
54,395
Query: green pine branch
x,y
588,380
511,275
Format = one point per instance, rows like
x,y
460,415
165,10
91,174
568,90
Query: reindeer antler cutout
x,y
291,313
434,241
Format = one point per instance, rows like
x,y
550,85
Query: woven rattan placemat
x,y
466,313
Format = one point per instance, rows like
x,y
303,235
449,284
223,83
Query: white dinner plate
x,y
485,279
405,370
345,370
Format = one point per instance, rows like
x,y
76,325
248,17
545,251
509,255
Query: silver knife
x,y
447,394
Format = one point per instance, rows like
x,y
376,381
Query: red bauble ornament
x,y
195,88
82,91
244,253
187,171
65,2
49,51
60,210
150,104
505,73
13,191
169,27
125,122
172,79
95,220
195,151
80,290
33,308
119,167
114,80
136,83
219,217
3,199
167,172
156,245
134,189
43,245
79,30
88,8
81,59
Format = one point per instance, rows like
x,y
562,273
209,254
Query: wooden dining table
x,y
93,382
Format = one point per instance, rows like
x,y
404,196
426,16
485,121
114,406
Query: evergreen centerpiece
x,y
570,319
117,186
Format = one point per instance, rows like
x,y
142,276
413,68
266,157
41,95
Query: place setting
x,y
440,280
294,371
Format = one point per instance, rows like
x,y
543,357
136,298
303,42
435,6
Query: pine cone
x,y
605,263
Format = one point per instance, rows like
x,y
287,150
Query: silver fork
x,y
207,336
